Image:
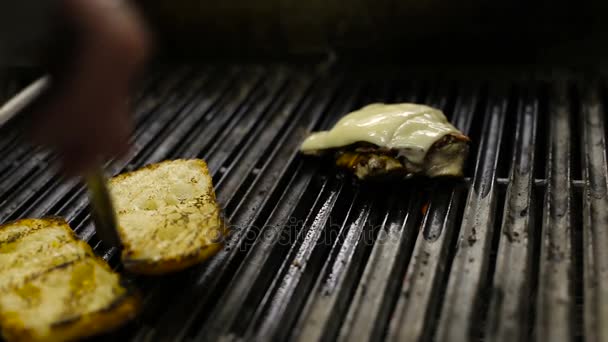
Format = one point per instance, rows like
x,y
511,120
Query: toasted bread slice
x,y
53,288
30,247
168,217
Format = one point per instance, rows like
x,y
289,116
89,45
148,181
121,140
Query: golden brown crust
x,y
36,224
154,166
171,264
102,321
124,308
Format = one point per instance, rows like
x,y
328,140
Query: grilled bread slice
x,y
168,217
53,288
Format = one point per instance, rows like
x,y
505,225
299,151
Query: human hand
x,y
85,115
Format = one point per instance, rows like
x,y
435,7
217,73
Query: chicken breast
x,y
387,140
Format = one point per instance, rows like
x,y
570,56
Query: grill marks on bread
x,y
168,216
53,287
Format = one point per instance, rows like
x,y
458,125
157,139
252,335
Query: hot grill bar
x,y
515,251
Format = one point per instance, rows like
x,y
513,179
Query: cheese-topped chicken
x,y
394,139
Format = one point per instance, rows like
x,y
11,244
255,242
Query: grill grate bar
x,y
249,212
72,192
240,166
276,142
555,293
16,151
330,295
264,235
427,272
304,262
345,264
270,229
155,140
286,292
144,143
244,94
13,155
60,189
48,202
595,218
472,255
31,176
156,300
246,127
314,255
197,110
232,139
228,112
370,307
369,313
85,228
43,182
510,295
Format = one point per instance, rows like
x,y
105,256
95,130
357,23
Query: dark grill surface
x,y
515,252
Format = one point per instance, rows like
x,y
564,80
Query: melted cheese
x,y
410,128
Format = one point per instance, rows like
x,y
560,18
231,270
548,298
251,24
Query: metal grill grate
x,y
512,253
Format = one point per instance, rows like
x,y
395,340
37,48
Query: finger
x,y
82,154
74,160
90,100
110,26
102,120
92,144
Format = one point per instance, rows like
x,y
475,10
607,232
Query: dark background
x,y
570,33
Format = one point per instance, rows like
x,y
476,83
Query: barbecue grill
x,y
515,251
